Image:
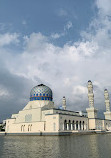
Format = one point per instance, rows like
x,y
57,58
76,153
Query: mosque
x,y
41,117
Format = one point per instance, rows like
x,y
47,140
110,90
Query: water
x,y
75,146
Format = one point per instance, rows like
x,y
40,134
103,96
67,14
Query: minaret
x,y
92,112
90,94
107,104
64,103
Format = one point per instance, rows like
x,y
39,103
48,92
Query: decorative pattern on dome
x,y
41,92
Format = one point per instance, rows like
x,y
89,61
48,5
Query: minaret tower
x,y
90,94
92,112
107,103
64,103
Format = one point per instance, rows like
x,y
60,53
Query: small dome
x,y
89,81
41,92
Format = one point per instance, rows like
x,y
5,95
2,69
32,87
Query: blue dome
x,y
41,92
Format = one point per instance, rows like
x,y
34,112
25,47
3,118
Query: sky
x,y
61,44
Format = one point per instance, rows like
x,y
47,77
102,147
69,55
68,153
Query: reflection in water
x,y
93,146
75,146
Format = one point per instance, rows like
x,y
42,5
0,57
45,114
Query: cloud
x,y
65,70
8,38
62,12
3,92
77,90
68,25
104,6
57,35
13,92
34,42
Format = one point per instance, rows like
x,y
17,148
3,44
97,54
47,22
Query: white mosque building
x,y
41,117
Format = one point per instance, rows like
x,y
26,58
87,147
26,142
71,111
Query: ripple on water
x,y
75,146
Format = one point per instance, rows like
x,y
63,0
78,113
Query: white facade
x,y
40,116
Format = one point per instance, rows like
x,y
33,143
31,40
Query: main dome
x,y
41,92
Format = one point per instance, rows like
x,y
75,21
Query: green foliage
x,y
2,127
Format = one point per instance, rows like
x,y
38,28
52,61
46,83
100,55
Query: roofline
x,y
100,119
60,110
66,114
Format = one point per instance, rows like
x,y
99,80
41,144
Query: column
x,y
78,126
84,126
75,126
71,127
81,126
67,126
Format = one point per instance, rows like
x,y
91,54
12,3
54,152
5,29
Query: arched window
x,y
65,125
44,125
83,125
69,124
21,128
80,125
30,127
24,128
76,125
73,125
106,126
